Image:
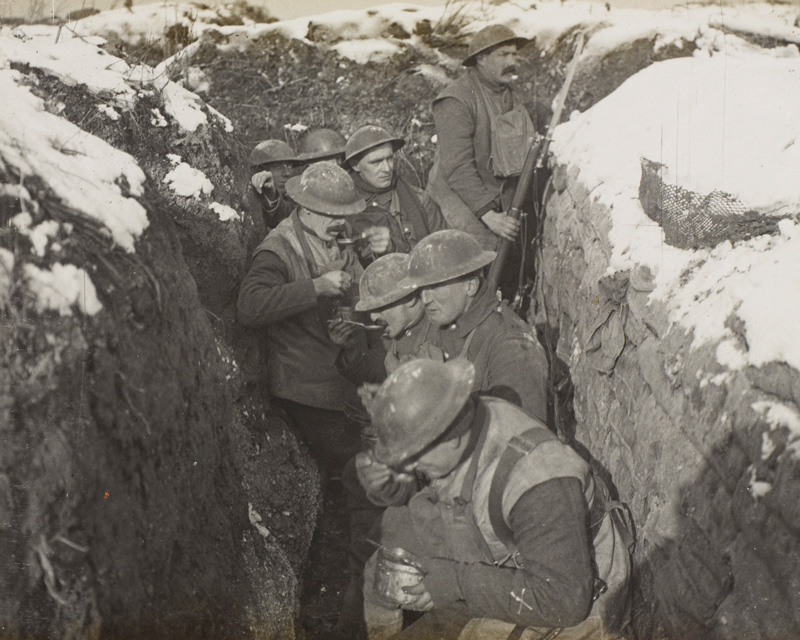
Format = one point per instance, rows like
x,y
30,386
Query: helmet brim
x,y
448,272
517,40
318,205
319,156
397,144
370,304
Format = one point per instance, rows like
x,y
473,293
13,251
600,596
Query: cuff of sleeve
x,y
441,581
489,206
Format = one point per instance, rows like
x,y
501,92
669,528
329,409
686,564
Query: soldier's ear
x,y
473,284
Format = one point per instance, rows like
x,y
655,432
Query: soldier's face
x,y
500,65
281,172
377,166
398,316
447,301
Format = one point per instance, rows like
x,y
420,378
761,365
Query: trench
x,y
169,375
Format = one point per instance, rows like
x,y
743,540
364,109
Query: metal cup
x,y
396,568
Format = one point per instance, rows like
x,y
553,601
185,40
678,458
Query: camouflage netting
x,y
692,220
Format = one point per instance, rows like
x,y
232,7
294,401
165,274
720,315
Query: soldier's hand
x,y
263,182
501,225
340,331
332,284
378,239
423,601
373,475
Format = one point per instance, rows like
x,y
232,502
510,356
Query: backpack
x,y
603,508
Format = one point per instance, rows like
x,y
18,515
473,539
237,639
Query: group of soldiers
x,y
411,380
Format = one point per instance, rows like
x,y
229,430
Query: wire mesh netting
x,y
692,220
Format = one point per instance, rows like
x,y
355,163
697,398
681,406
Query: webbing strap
x,y
517,448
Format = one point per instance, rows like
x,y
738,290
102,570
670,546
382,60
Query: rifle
x,y
534,161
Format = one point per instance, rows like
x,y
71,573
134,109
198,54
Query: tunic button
x,y
453,327
407,230
446,355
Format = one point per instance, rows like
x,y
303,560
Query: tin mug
x,y
395,569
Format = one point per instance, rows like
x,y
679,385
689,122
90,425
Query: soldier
x,y
446,269
398,309
321,145
480,123
511,536
299,279
272,163
412,215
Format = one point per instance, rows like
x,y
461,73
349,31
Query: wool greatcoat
x,y
509,361
461,179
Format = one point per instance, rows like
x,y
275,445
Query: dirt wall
x,y
714,558
146,490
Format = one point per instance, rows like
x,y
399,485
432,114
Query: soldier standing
x,y
409,212
298,280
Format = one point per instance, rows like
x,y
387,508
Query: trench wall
x,y
711,484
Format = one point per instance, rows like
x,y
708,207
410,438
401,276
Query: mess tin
x,y
350,316
396,568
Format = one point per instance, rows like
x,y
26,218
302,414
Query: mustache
x,y
510,69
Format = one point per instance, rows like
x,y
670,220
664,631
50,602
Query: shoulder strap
x,y
518,447
469,479
301,237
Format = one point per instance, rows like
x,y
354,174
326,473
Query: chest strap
x,y
518,447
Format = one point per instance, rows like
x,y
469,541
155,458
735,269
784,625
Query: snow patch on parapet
x,y
83,171
706,118
60,288
187,181
377,33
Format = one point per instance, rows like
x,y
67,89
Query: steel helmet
x,y
368,137
271,151
325,187
321,144
416,404
444,255
380,282
488,37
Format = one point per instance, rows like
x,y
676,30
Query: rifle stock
x,y
534,160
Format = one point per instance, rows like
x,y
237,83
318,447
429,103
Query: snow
x,y
367,50
184,106
224,212
82,170
779,415
72,60
38,235
187,181
758,488
6,269
109,111
61,287
706,118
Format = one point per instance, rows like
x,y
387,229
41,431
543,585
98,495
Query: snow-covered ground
x,y
362,34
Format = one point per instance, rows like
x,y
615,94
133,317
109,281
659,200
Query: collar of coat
x,y
483,305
